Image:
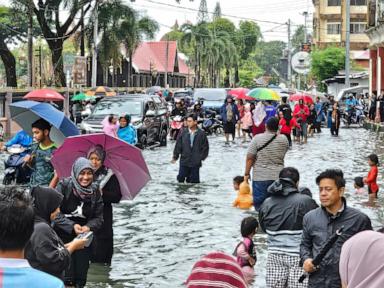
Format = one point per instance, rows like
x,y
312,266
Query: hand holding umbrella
x,y
319,257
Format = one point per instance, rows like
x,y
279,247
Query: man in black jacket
x,y
320,224
193,147
281,217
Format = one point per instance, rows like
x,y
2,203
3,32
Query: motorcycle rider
x,y
350,105
179,109
21,138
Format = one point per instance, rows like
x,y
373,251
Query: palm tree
x,y
120,26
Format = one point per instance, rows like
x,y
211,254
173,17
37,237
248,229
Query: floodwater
x,y
165,230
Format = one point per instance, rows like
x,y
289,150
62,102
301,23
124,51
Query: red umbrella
x,y
301,96
240,93
44,95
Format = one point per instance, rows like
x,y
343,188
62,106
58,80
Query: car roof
x,y
130,96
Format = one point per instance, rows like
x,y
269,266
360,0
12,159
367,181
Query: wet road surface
x,y
165,230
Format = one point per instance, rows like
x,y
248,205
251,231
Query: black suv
x,y
148,112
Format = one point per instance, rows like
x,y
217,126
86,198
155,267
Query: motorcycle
x,y
212,125
176,125
355,115
16,172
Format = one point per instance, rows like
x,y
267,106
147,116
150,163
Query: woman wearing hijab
x,y
126,131
230,116
102,246
258,117
81,212
45,251
361,261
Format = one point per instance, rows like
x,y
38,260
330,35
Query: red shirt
x,y
371,179
285,128
301,111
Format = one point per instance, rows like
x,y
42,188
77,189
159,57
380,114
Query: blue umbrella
x,y
25,113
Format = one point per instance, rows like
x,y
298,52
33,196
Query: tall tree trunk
x,y
195,79
56,47
130,70
227,83
199,71
237,78
9,64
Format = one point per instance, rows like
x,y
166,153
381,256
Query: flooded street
x,y
165,230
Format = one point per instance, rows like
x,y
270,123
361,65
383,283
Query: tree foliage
x,y
203,16
249,35
268,55
327,62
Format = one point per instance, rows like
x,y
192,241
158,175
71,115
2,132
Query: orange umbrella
x,y
45,95
101,91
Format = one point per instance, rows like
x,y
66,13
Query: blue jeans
x,y
260,192
189,174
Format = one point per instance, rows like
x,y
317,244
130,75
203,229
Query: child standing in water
x,y
359,186
370,180
245,250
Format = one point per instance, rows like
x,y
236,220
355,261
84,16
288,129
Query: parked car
x,y
213,98
148,112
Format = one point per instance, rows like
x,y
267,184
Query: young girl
x,y
370,180
286,126
245,250
359,186
246,122
244,198
110,125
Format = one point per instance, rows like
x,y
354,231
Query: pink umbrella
x,y
44,95
240,93
125,160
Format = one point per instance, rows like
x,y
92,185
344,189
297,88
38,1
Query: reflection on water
x,y
162,233
165,230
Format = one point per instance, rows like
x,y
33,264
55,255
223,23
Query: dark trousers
x,y
372,113
76,275
334,129
289,139
188,174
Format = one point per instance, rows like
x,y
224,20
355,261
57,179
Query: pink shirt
x,y
108,128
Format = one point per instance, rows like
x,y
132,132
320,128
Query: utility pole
x,y
305,14
94,54
82,45
347,41
289,74
39,52
166,64
30,47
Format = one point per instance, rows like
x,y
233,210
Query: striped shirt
x,y
269,161
216,270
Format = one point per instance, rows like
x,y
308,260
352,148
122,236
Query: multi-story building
x,y
375,33
329,23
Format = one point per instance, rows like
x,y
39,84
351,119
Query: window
x,y
357,27
358,2
334,2
333,28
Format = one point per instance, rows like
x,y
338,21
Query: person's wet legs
x,y
194,175
184,172
260,192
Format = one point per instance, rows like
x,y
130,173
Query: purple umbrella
x,y
126,161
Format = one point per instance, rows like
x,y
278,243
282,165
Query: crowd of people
x,y
45,234
57,216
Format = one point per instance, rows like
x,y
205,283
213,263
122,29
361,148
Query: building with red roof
x,y
155,58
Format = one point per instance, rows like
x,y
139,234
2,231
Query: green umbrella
x,y
264,94
80,97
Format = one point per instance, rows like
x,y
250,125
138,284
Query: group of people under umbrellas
x,y
73,188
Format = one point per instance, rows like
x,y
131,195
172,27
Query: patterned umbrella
x,y
101,91
264,94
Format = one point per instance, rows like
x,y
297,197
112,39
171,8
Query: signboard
x,y
79,70
301,62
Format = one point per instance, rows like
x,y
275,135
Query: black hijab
x,y
46,201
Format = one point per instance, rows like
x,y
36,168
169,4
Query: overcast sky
x,y
166,12
278,11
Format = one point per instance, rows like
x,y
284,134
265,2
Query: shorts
x,y
371,192
229,128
